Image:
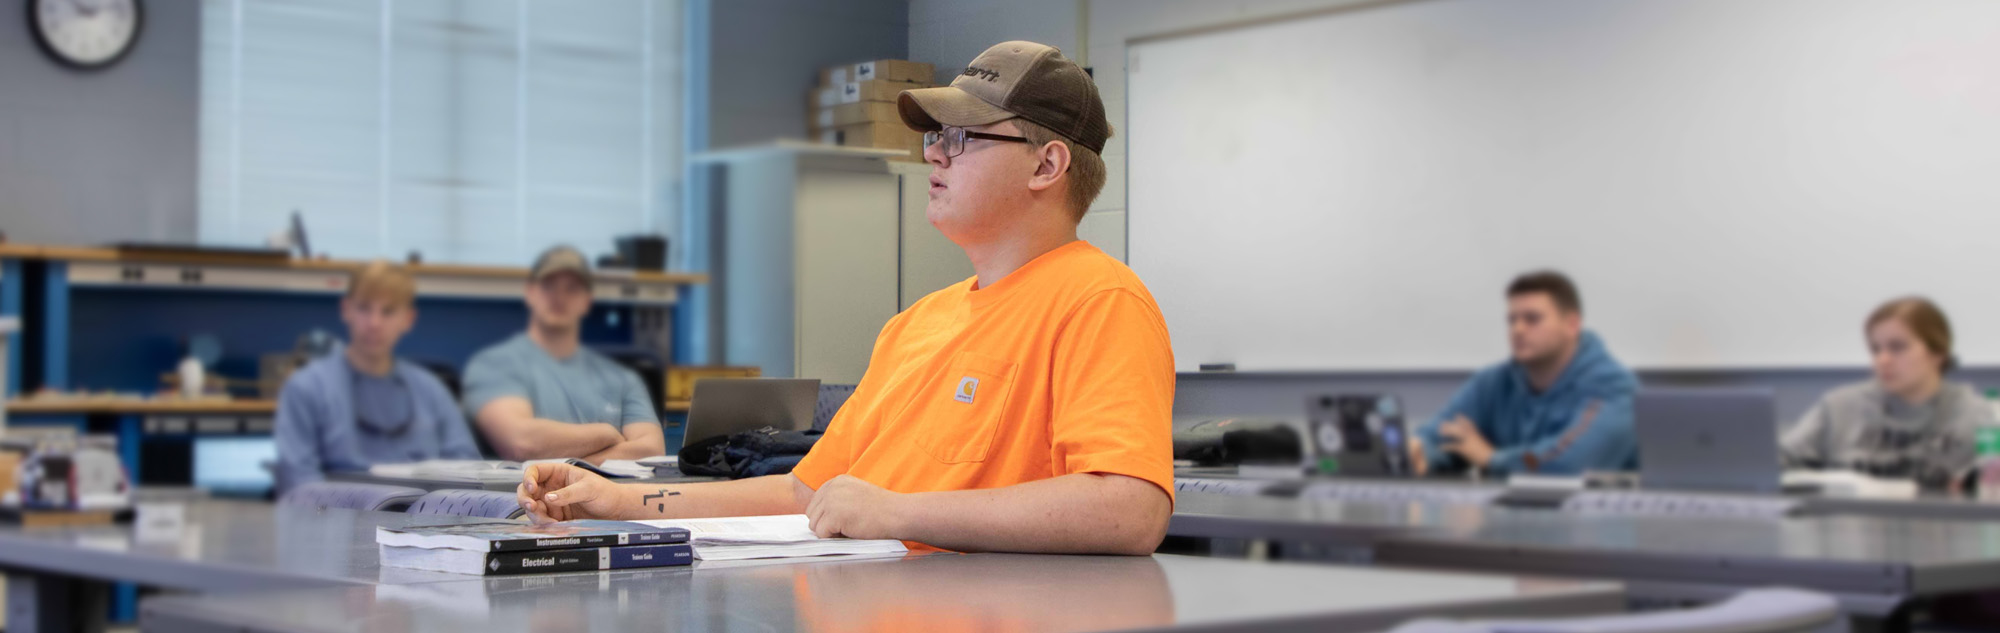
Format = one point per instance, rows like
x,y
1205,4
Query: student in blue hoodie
x,y
1561,405
361,406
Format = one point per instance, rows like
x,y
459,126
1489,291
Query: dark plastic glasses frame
x,y
958,136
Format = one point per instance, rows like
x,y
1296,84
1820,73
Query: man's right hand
x,y
561,492
1420,464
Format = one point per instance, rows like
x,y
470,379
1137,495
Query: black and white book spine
x,y
593,559
598,540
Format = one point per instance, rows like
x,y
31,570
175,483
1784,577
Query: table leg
x,y
38,603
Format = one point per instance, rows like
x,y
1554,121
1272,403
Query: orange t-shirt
x,y
1061,367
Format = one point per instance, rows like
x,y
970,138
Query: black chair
x,y
831,397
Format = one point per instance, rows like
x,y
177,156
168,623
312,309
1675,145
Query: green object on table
x,y
1989,442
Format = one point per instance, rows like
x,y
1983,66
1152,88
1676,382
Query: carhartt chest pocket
x,y
958,414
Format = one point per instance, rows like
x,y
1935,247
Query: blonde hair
x,y
1086,168
383,281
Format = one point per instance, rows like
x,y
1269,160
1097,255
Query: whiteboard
x,y
1732,184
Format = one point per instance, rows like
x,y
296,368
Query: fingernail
x,y
551,497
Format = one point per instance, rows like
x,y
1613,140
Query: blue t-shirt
x,y
585,388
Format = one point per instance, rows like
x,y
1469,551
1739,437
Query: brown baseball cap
x,y
558,260
1014,79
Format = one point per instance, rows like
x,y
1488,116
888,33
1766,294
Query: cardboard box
x,y
875,90
679,390
878,135
857,113
884,135
836,75
891,70
878,70
826,97
9,462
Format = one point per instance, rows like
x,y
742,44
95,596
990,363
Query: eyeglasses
x,y
954,139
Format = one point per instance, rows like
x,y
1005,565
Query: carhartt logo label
x,y
982,73
967,388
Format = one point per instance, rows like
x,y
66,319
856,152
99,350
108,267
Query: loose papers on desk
x,y
779,536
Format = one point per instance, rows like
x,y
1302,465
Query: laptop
x,y
1359,435
1722,440
722,406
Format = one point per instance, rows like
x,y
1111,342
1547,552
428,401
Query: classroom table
x,y
429,484
1879,567
222,545
1875,566
938,592
1352,524
1927,506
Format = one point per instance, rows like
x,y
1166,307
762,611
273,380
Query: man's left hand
x,y
1466,441
850,507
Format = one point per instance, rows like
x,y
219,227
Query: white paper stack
x,y
625,468
780,536
1847,483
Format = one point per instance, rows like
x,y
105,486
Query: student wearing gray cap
x,y
1025,409
543,395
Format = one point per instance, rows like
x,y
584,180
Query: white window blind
x,y
470,131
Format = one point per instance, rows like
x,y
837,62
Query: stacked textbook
x,y
506,547
769,537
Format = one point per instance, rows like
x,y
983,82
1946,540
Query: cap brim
x,y
581,273
928,109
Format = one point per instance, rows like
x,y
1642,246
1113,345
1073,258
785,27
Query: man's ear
x,y
1051,165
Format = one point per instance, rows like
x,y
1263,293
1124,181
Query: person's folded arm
x,y
638,424
511,427
641,440
1601,437
1079,513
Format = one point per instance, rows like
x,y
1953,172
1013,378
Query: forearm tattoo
x,y
661,495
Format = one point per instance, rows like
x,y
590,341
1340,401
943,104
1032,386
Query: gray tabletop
x,y
1336,522
1850,552
939,592
223,545
500,486
1874,563
1929,506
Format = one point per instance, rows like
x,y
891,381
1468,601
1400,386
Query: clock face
x,y
86,33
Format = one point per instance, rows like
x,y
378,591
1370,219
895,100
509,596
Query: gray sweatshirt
x,y
1861,427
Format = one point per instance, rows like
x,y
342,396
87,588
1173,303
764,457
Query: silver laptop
x,y
722,406
1723,440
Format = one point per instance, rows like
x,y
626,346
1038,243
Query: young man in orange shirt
x,y
1026,409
